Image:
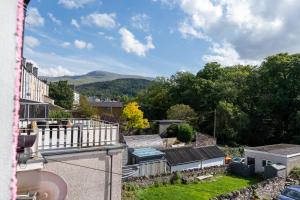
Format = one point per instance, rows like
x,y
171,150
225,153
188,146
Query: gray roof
x,y
136,141
177,156
280,149
108,104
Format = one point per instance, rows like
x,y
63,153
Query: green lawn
x,y
195,191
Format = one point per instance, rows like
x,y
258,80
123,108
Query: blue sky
x,y
156,37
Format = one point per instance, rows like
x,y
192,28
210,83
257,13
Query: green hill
x,y
93,77
114,89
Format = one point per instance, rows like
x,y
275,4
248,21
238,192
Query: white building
x,y
186,158
283,154
76,99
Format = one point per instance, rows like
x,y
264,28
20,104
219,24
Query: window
x,y
266,163
250,161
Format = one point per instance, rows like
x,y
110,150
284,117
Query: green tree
x,y
85,109
186,133
62,94
183,112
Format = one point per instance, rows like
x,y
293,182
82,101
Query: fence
x,y
84,133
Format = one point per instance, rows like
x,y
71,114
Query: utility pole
x,y
215,122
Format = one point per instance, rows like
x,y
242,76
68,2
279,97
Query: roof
x,y
108,104
185,155
168,121
147,152
136,141
280,149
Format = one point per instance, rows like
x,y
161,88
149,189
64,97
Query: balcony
x,y
53,135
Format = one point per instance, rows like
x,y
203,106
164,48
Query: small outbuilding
x,y
287,155
185,158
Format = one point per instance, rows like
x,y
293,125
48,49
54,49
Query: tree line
x,y
254,105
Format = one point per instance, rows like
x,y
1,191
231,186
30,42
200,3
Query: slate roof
x,y
280,149
185,155
136,141
108,104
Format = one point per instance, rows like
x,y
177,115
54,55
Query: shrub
x,y
176,178
59,114
295,173
186,133
172,131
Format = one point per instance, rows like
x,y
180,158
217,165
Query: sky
x,y
156,37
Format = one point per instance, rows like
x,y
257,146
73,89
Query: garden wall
x,y
267,189
187,175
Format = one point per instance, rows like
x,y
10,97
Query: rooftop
x,y
136,141
147,152
280,149
185,155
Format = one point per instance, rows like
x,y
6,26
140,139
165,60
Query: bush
x,y
295,173
59,114
176,178
172,131
186,133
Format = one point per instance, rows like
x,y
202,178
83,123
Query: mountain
x,y
114,89
94,76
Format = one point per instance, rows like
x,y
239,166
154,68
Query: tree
x,y
172,131
186,133
183,112
85,109
59,114
62,94
134,117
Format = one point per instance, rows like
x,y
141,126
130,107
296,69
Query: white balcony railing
x,y
84,133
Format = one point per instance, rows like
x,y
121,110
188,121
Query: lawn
x,y
196,191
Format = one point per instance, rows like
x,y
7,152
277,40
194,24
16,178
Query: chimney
x,y
35,71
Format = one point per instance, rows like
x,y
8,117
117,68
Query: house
x,y
108,109
163,125
281,154
76,99
185,158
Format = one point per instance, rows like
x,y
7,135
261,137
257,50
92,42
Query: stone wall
x,y
187,175
203,140
267,189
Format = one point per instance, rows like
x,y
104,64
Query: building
x,y
32,87
76,99
60,162
280,154
109,110
186,158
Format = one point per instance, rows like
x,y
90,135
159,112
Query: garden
x,y
198,190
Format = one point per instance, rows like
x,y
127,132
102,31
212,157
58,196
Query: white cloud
x,y
70,4
66,44
55,71
254,28
34,18
31,41
75,23
82,44
141,22
132,45
107,37
226,55
102,20
54,19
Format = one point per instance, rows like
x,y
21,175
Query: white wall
x,y
213,162
260,156
7,84
186,166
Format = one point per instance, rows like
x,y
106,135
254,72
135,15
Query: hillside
x,y
114,88
93,77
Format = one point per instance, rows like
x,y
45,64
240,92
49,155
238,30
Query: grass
x,y
196,191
